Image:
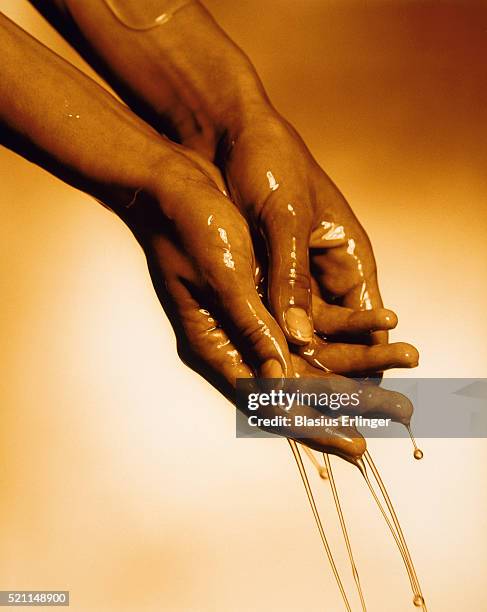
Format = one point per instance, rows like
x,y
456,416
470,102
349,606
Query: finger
x,y
337,320
358,359
348,272
206,344
253,330
366,296
374,401
211,346
226,259
211,343
287,230
344,442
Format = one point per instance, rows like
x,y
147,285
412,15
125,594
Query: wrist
x,y
256,123
239,109
161,197
135,186
215,104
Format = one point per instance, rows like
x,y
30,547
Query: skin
x,y
305,222
197,242
192,82
65,122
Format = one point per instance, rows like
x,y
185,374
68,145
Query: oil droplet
x,y
418,601
273,184
321,469
418,454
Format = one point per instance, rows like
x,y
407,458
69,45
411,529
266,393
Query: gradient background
x,y
121,478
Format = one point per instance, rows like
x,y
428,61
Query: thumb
x,y
253,330
287,230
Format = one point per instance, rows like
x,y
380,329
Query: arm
x,y
69,124
188,75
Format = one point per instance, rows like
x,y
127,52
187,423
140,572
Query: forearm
x,y
187,71
77,130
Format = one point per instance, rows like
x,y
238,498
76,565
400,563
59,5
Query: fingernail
x,y
271,369
407,355
299,324
390,318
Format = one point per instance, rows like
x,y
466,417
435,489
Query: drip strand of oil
x,y
418,453
321,469
309,493
389,524
418,598
344,530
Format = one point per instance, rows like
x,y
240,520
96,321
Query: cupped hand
x,y
205,272
343,338
308,226
202,264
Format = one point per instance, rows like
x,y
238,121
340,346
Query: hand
x,y
273,176
168,74
205,272
306,223
342,340
211,349
201,259
207,276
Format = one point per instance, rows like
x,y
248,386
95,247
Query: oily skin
x,y
306,223
209,306
190,80
210,350
63,121
197,242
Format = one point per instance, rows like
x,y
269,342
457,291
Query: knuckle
x,y
256,332
286,209
294,279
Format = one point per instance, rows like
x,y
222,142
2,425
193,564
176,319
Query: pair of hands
x,y
275,278
262,281
220,258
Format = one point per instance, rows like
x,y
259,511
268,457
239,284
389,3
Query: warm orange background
x,y
121,478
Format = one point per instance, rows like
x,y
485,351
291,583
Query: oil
x,y
344,530
321,469
389,524
418,453
304,478
418,599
